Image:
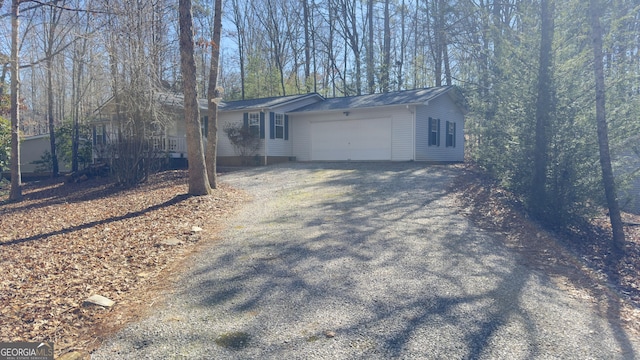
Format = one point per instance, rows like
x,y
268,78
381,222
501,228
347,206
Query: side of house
x,y
32,150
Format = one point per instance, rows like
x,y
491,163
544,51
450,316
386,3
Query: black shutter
x,y
246,121
272,125
438,137
446,136
454,134
430,132
286,127
95,138
261,125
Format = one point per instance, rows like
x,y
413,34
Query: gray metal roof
x,y
175,100
407,97
264,103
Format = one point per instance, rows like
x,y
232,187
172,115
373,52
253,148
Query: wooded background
x,y
76,54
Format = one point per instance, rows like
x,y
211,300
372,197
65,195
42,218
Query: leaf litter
x,y
66,242
576,259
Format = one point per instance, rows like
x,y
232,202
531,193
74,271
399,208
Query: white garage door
x,y
351,140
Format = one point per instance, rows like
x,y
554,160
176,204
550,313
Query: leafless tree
x,y
608,181
213,97
198,181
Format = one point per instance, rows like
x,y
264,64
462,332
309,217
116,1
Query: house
x,y
412,125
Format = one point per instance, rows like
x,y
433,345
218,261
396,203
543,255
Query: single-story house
x,y
413,125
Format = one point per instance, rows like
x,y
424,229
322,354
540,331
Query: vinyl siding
x,y
442,108
277,147
224,144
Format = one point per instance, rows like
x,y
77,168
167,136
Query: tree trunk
x,y
603,136
543,110
212,135
198,181
307,46
55,169
371,85
15,194
400,61
386,58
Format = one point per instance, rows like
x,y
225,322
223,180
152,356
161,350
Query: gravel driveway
x,y
363,261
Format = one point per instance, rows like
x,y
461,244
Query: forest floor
x,y
65,242
577,259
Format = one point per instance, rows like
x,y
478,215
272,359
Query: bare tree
x,y
386,49
15,193
307,45
198,180
53,15
603,133
371,85
213,96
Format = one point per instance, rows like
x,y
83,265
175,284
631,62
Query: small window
x,y
100,134
204,125
451,134
434,132
254,123
279,128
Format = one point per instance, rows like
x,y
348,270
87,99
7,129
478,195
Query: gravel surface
x,y
363,261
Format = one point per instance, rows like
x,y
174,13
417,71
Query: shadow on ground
x,y
375,261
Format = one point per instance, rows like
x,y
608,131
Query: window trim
x,y
451,134
254,123
434,132
279,117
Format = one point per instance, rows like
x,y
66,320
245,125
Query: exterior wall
x,y
445,109
401,129
275,147
32,149
224,145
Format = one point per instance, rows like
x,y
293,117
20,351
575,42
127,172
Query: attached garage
x,y
381,127
363,139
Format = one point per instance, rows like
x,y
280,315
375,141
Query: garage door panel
x,y
351,140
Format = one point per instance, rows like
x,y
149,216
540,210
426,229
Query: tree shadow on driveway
x,y
373,260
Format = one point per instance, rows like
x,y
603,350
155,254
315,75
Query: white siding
x,y
402,132
300,134
277,147
445,109
224,145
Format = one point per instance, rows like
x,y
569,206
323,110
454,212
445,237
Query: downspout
x,y
266,136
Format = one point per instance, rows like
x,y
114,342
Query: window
x,y
204,125
254,123
451,134
434,132
99,134
279,126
